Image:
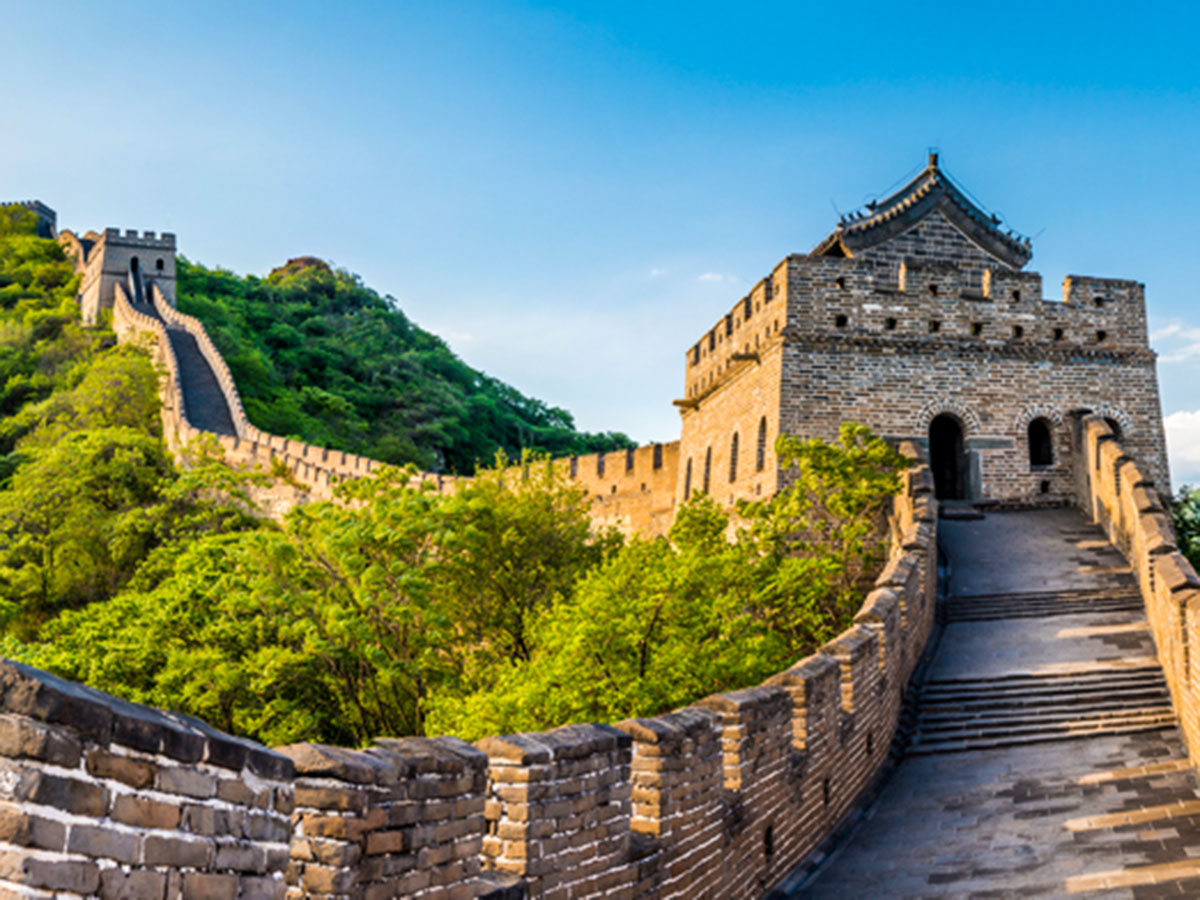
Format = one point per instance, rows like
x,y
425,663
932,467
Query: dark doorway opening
x,y
946,458
1041,445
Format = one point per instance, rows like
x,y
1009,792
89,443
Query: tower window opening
x,y
1018,331
977,328
1044,487
629,460
658,456
840,321
1059,334
158,264
687,481
1101,336
747,308
760,454
1041,444
1016,296
600,464
889,324
933,290
934,326
1098,302
733,458
841,284
707,468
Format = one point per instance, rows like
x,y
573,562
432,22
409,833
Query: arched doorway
x,y
946,458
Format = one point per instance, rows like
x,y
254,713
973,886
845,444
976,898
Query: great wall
x,y
1015,710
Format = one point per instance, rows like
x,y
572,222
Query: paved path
x,y
1046,761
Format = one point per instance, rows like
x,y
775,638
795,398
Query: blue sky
x,y
571,194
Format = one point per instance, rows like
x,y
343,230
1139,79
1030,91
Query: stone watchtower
x,y
135,260
916,317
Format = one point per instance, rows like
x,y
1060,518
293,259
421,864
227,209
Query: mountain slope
x,y
319,356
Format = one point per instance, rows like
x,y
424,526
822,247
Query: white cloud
x,y
1183,446
657,272
1161,333
711,276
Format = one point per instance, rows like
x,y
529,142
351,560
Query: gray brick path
x,y
1046,762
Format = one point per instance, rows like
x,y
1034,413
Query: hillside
x,y
319,356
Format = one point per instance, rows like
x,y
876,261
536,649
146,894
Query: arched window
x,y
707,467
134,264
1041,446
158,264
687,481
760,453
733,454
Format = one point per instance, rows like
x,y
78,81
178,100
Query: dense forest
x,y
394,609
318,356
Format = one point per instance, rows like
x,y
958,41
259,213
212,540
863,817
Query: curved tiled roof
x,y
931,190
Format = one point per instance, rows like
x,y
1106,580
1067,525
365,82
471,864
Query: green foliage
x,y
398,610
1186,513
664,623
342,625
87,492
318,356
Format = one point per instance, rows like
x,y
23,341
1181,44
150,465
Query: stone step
x,y
202,395
1024,686
1077,727
1038,706
989,612
918,748
1023,718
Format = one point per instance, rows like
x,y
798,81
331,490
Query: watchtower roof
x,y
931,190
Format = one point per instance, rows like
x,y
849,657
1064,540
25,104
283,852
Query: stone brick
x,y
23,737
207,886
134,772
51,874
104,843
30,830
177,852
137,884
143,812
189,782
241,857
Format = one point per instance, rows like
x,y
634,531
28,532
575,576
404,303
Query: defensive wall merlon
x,y
808,296
1114,490
99,797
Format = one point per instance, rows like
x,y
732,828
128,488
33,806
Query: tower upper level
x,y
113,256
930,219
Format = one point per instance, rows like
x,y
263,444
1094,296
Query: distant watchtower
x,y
135,260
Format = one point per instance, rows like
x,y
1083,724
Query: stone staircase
x,y
987,713
206,406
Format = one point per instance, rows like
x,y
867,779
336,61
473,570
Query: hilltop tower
x,y
133,259
915,316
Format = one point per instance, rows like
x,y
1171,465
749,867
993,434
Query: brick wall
x,y
102,798
1118,493
895,352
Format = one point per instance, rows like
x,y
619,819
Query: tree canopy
x,y
319,356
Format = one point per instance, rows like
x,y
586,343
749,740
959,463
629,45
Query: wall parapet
x,y
1117,493
724,798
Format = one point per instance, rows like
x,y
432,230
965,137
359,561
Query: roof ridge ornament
x,y
930,190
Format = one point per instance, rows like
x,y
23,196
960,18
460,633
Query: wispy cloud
x,y
710,276
1177,342
1183,445
657,272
